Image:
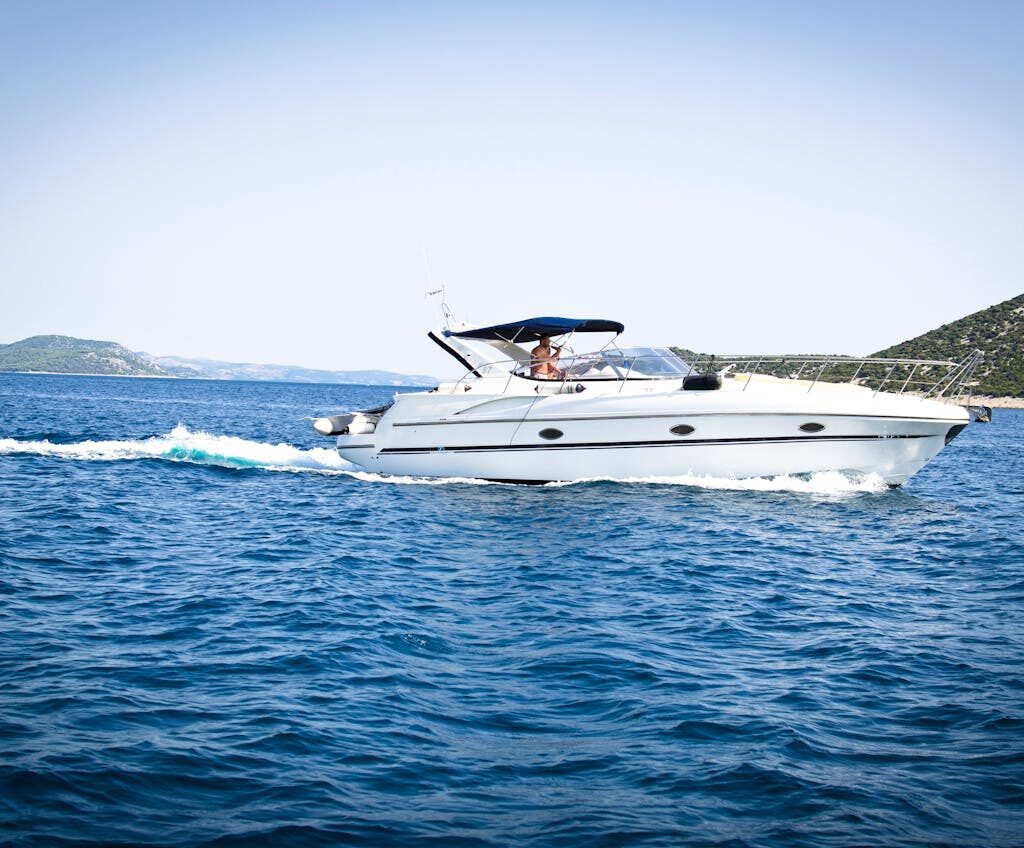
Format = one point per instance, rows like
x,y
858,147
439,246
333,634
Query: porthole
x,y
550,433
812,427
682,430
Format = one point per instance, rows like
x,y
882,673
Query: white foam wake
x,y
820,483
184,445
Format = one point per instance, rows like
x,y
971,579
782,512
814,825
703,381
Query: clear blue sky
x,y
257,181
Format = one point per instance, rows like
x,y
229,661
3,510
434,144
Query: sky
x,y
282,182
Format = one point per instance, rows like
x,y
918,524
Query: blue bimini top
x,y
533,329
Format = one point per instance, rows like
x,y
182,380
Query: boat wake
x,y
819,483
184,445
201,448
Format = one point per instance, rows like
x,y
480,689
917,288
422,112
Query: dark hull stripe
x,y
677,443
682,414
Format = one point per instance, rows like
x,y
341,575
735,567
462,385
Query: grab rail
x,y
925,377
938,378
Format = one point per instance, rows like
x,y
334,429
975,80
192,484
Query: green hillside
x,y
998,331
67,355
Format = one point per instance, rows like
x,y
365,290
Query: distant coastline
x,y
410,385
997,331
91,358
87,374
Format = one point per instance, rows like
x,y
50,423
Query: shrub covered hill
x,y
997,331
67,355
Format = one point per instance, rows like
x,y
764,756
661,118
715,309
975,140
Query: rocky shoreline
x,y
998,402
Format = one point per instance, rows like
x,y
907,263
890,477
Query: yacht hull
x,y
668,434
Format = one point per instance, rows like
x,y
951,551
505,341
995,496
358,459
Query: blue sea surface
x,y
215,632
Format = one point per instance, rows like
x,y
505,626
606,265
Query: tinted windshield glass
x,y
629,363
649,362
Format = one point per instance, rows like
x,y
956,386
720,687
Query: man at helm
x,y
545,360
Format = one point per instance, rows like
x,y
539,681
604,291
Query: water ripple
x,y
200,650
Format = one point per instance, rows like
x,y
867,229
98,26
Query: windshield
x,y
634,363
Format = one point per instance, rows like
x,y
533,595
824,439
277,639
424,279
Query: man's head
x,y
545,341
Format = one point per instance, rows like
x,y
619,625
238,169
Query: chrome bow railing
x,y
937,378
934,378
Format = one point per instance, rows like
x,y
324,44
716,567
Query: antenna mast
x,y
445,311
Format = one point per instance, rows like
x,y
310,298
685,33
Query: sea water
x,y
214,631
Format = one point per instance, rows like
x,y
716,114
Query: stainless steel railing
x,y
938,378
935,378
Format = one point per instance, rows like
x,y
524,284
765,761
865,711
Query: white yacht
x,y
629,413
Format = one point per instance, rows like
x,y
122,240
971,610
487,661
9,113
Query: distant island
x,y
997,330
68,355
